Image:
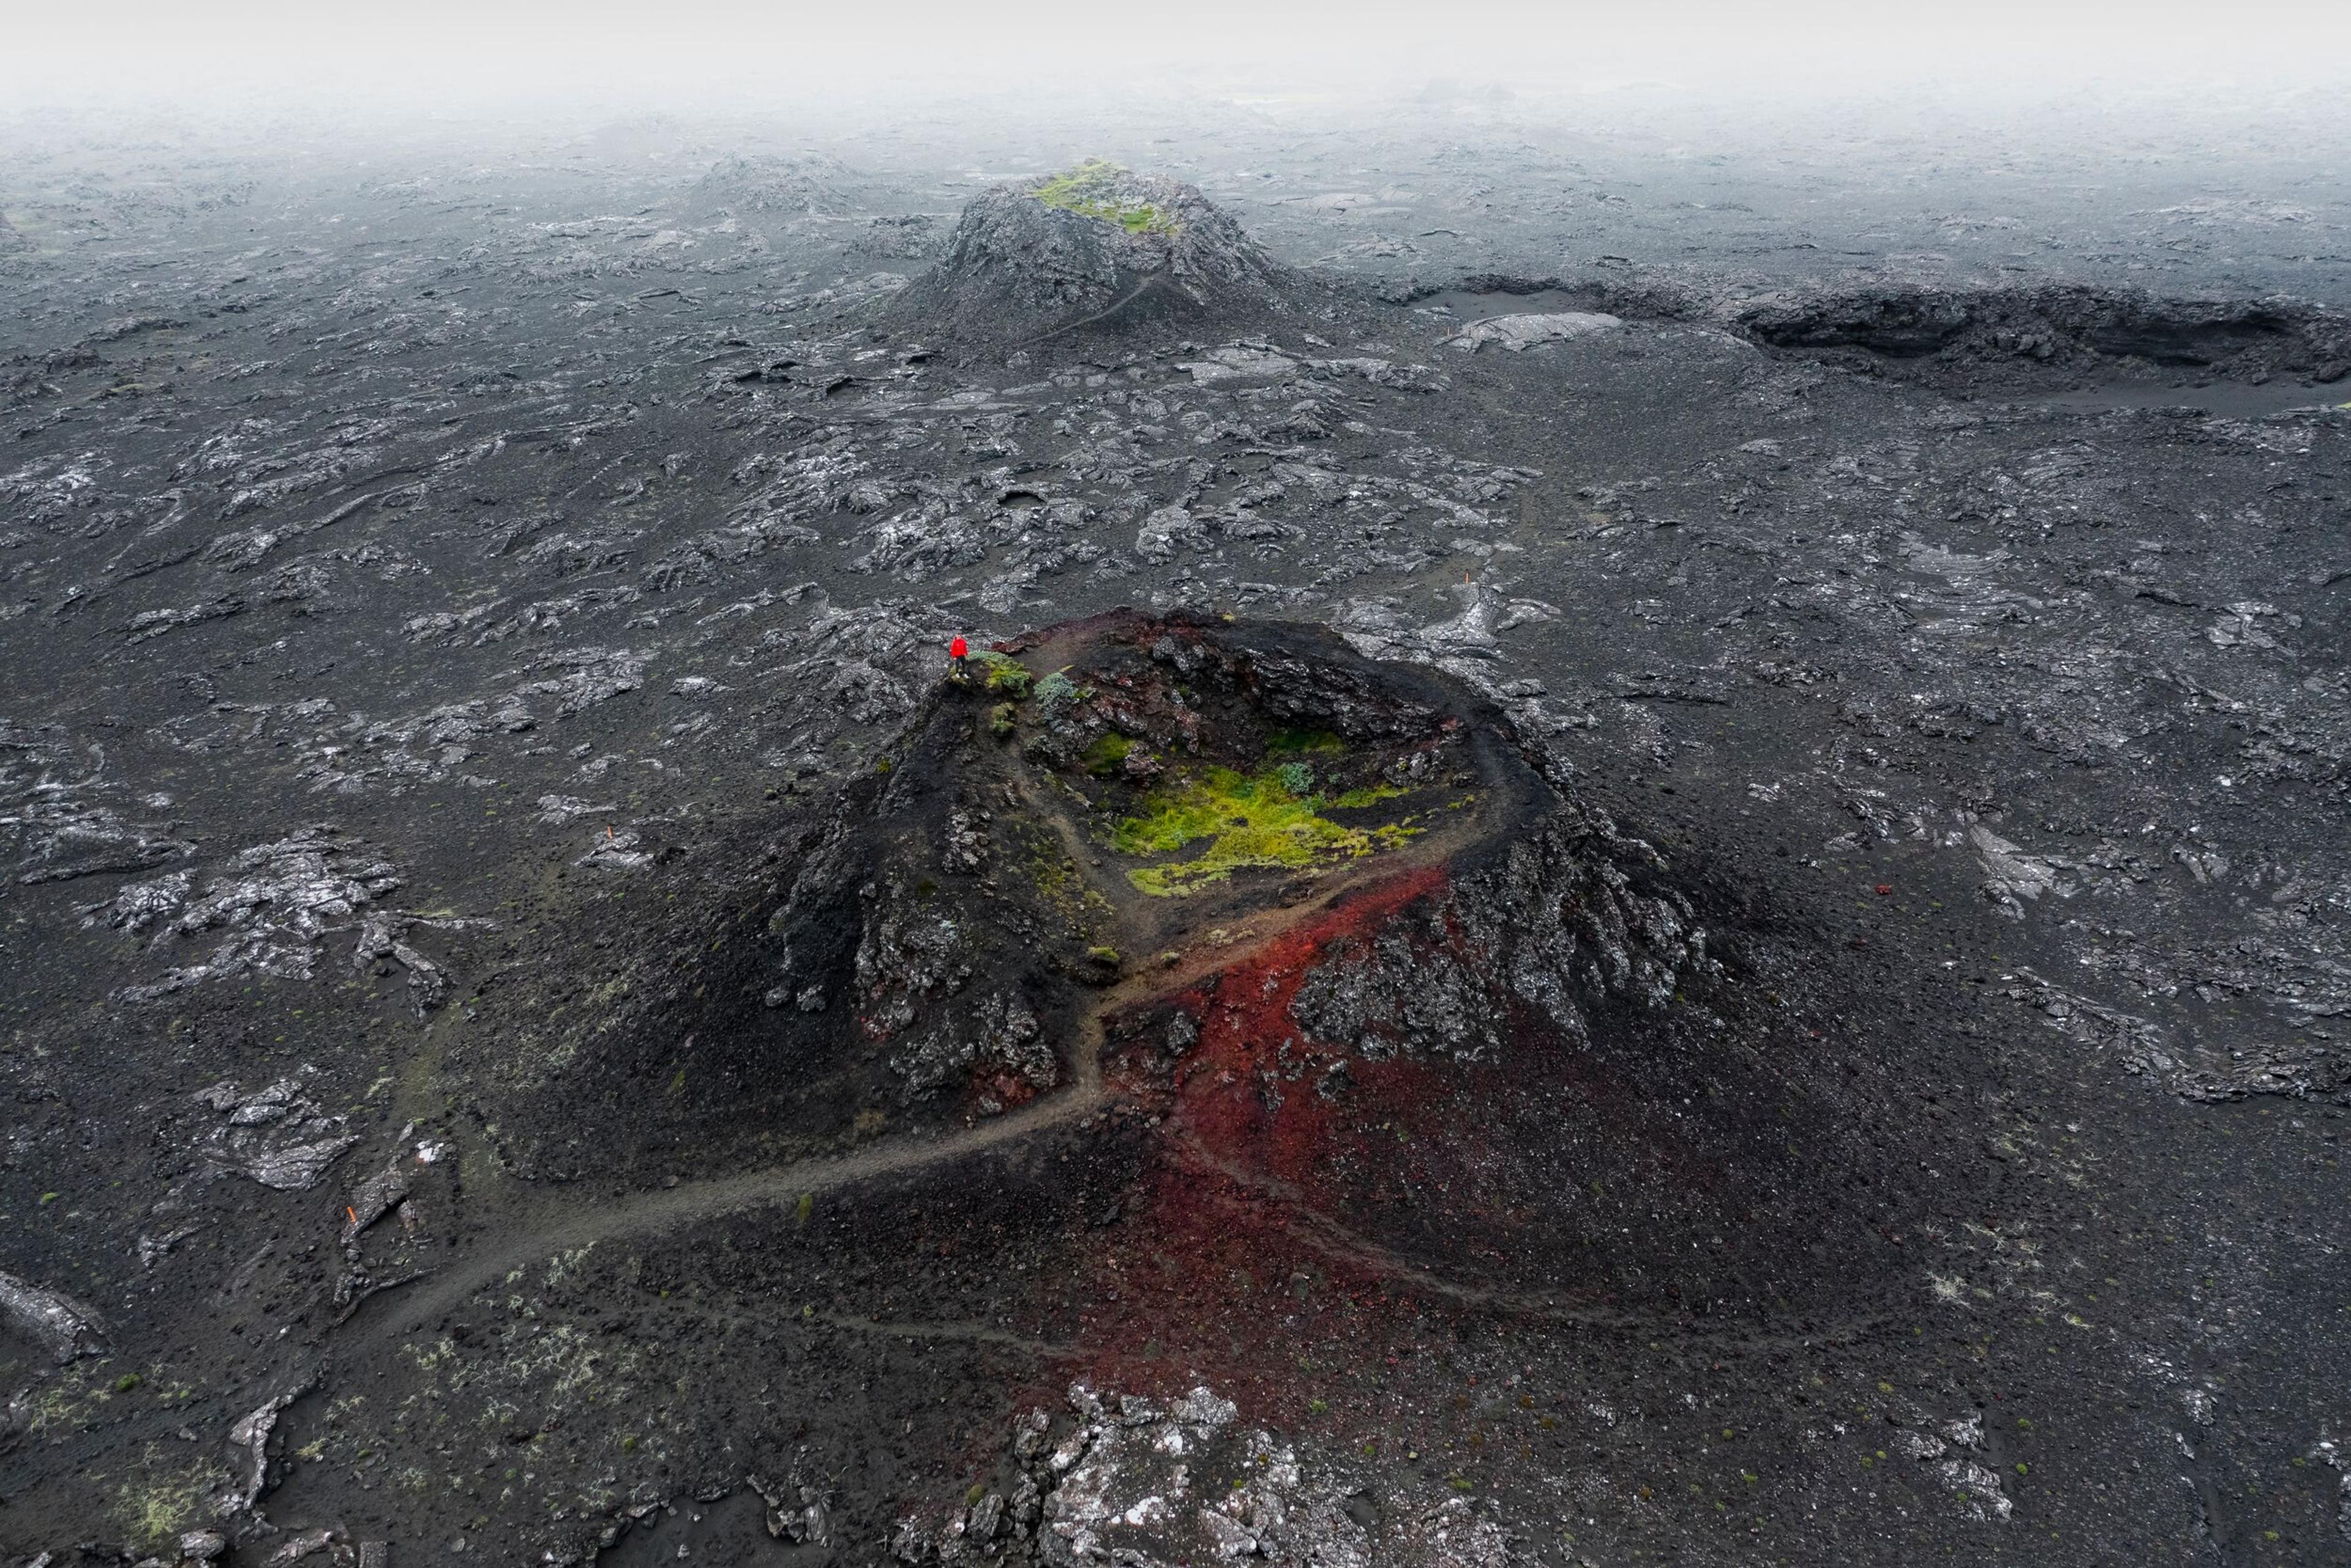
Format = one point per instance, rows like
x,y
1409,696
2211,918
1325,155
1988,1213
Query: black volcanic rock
x,y
1098,246
929,947
2066,325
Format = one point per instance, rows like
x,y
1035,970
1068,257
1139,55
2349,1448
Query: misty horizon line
x,y
495,55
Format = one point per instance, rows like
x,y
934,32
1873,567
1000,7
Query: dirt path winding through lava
x,y
1258,912
1324,1233
553,1228
546,1226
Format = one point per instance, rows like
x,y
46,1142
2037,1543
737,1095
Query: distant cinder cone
x,y
1095,247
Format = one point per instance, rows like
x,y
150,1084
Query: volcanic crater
x,y
1382,992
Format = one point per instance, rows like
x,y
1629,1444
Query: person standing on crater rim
x,y
958,651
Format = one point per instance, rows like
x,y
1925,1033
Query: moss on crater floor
x,y
1272,820
1092,190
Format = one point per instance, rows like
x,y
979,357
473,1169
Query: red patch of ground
x,y
1292,1242
1228,1268
1244,1090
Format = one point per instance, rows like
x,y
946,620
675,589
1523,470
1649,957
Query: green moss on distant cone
x,y
1250,822
1092,190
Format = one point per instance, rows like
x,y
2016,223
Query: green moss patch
x,y
1092,190
1063,888
1106,755
1250,820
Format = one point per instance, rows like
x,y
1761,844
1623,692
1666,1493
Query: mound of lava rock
x,y
958,923
935,944
1269,1010
1096,246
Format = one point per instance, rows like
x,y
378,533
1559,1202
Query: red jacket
x,y
955,650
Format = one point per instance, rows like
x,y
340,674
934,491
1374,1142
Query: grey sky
x,y
486,50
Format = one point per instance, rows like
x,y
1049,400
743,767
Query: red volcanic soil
x,y
1243,1091
1241,1270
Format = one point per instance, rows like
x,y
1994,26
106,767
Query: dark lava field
x,y
1642,859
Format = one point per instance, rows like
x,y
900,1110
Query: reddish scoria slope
x,y
1547,1078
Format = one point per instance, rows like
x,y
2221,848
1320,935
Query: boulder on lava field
x,y
1096,246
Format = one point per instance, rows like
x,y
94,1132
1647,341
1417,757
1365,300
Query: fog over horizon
x,y
445,60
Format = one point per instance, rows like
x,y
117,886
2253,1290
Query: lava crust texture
x,y
1684,908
